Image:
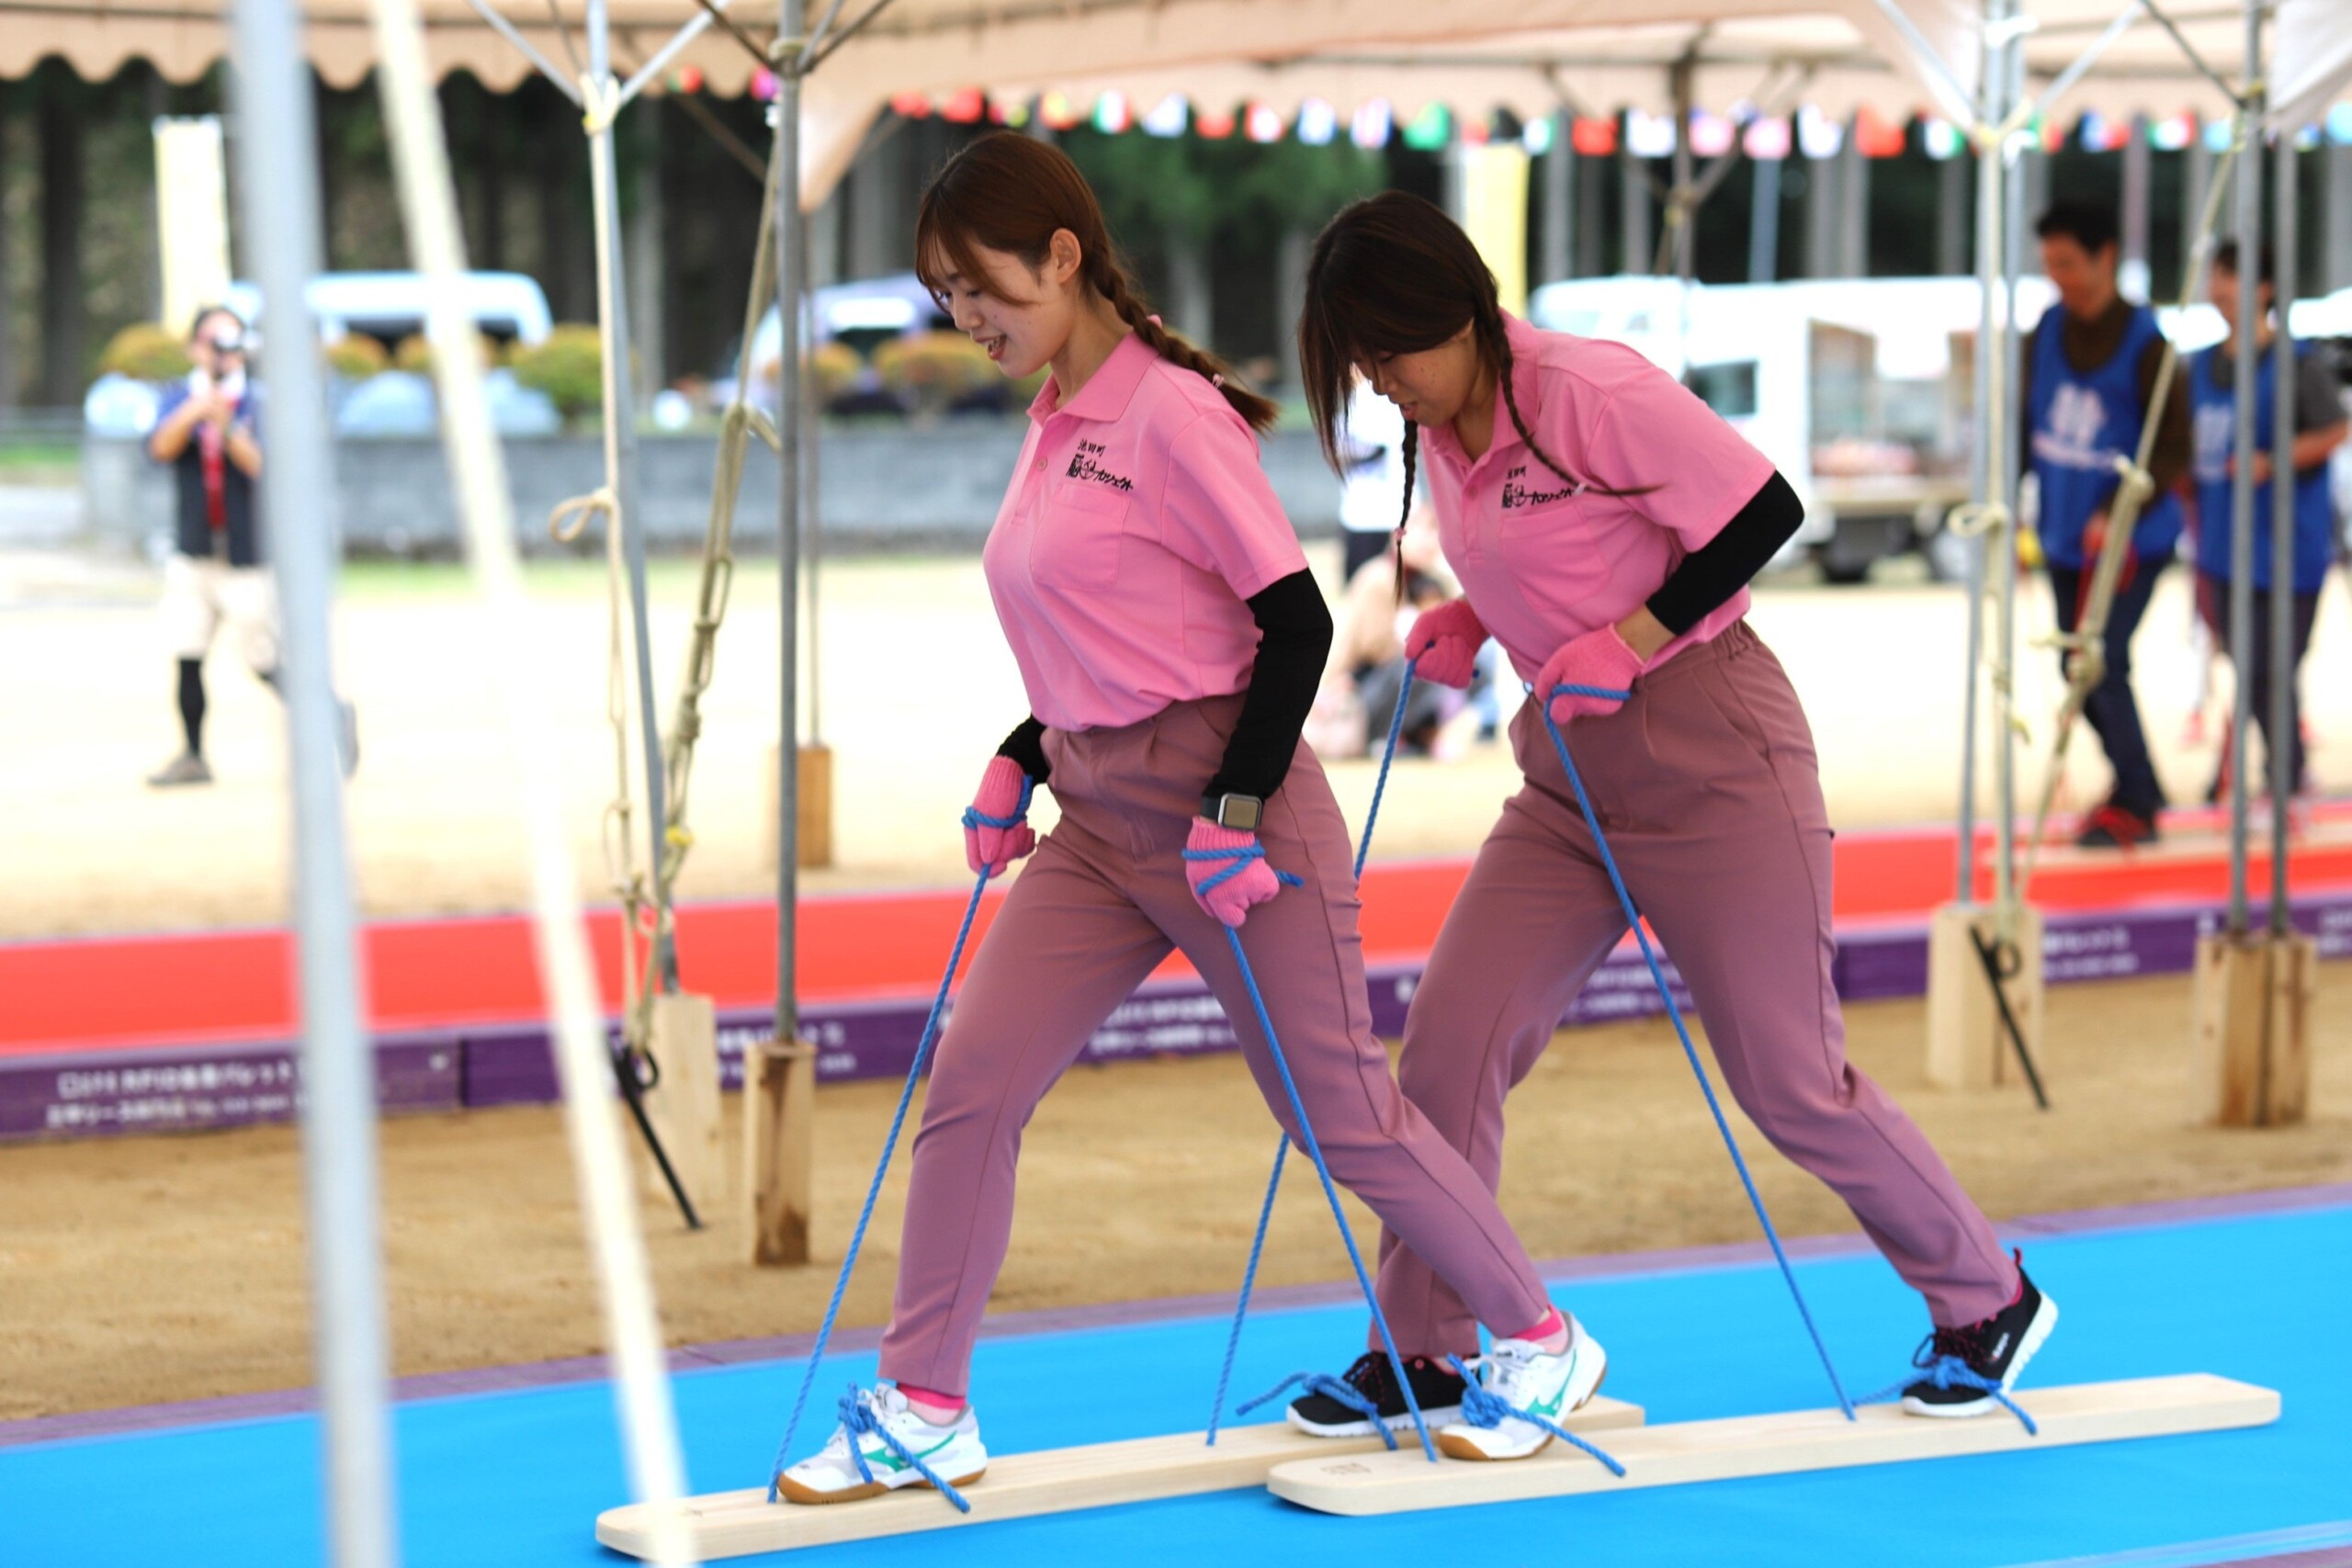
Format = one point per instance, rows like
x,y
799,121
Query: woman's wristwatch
x,y
1240,813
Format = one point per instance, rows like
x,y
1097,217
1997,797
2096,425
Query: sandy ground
x,y
917,689
161,1268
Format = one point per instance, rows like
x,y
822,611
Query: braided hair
x,y
1394,274
1013,193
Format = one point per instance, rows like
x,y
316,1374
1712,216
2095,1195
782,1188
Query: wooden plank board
x,y
1683,1452
736,1524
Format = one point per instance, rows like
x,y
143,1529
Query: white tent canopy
x,y
1530,56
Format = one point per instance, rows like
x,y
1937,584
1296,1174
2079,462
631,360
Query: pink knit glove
x,y
1227,871
1599,659
996,827
1444,643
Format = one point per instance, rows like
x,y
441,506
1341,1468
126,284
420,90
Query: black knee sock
x,y
192,705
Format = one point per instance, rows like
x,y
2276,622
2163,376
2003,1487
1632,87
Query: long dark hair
x,y
1394,274
1010,192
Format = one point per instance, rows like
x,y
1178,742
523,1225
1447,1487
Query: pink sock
x,y
1551,1326
929,1400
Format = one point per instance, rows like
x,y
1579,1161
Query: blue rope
x,y
975,817
1380,786
1330,1388
1241,858
1951,1371
856,1410
1480,1408
1281,1145
1331,1193
1241,1311
1649,955
889,1146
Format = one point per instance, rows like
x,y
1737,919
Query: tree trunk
x,y
63,294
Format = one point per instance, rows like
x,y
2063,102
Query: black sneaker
x,y
1436,1386
1994,1351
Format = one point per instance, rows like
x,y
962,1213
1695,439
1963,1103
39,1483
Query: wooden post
x,y
1968,1045
682,1104
2255,995
816,802
779,1148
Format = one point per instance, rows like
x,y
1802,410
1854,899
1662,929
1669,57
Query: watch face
x,y
1241,813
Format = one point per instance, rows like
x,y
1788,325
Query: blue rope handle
x,y
1682,1030
975,817
1949,1371
1330,1192
1240,858
1480,1408
1282,1147
873,1193
856,1411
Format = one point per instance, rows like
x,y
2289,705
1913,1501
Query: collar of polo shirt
x,y
1107,392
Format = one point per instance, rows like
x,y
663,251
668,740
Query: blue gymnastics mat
x,y
515,1480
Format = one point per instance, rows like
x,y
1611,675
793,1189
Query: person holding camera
x,y
208,431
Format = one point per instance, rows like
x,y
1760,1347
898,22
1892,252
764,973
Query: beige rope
x,y
566,524
2085,648
736,427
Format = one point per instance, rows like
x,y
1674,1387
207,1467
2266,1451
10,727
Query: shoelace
x,y
1330,1388
1943,1369
1240,858
1482,1408
859,1419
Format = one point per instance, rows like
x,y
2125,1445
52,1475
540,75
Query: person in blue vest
x,y
2090,375
2320,429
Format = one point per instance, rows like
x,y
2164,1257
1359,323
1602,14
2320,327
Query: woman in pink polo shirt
x,y
1171,638
1604,524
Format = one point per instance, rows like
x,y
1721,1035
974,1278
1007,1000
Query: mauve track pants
x,y
1091,915
1707,786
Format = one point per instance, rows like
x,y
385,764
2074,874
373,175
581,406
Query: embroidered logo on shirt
x,y
1517,495
1087,464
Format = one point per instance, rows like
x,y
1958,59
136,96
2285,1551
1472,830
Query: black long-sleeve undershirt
x,y
1294,639
1711,574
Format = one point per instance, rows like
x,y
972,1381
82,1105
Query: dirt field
x,y
917,690
161,1269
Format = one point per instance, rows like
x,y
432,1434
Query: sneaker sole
x,y
1462,1447
2045,1319
792,1491
1433,1415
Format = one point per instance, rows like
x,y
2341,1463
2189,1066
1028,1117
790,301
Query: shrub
x,y
833,367
934,370
357,357
568,367
414,354
145,352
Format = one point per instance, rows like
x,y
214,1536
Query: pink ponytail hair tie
x,y
1217,380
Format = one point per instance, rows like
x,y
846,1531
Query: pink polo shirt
x,y
1543,562
1136,524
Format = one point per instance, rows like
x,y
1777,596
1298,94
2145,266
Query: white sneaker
x,y
1516,1375
953,1452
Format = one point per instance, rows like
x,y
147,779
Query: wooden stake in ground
x,y
682,1103
1968,1042
2255,1000
779,1148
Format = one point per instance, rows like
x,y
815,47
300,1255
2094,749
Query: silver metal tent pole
x,y
2013,205
791,21
2282,522
2248,365
278,195
620,436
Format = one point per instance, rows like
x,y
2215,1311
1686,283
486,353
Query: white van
x,y
389,306
1860,390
